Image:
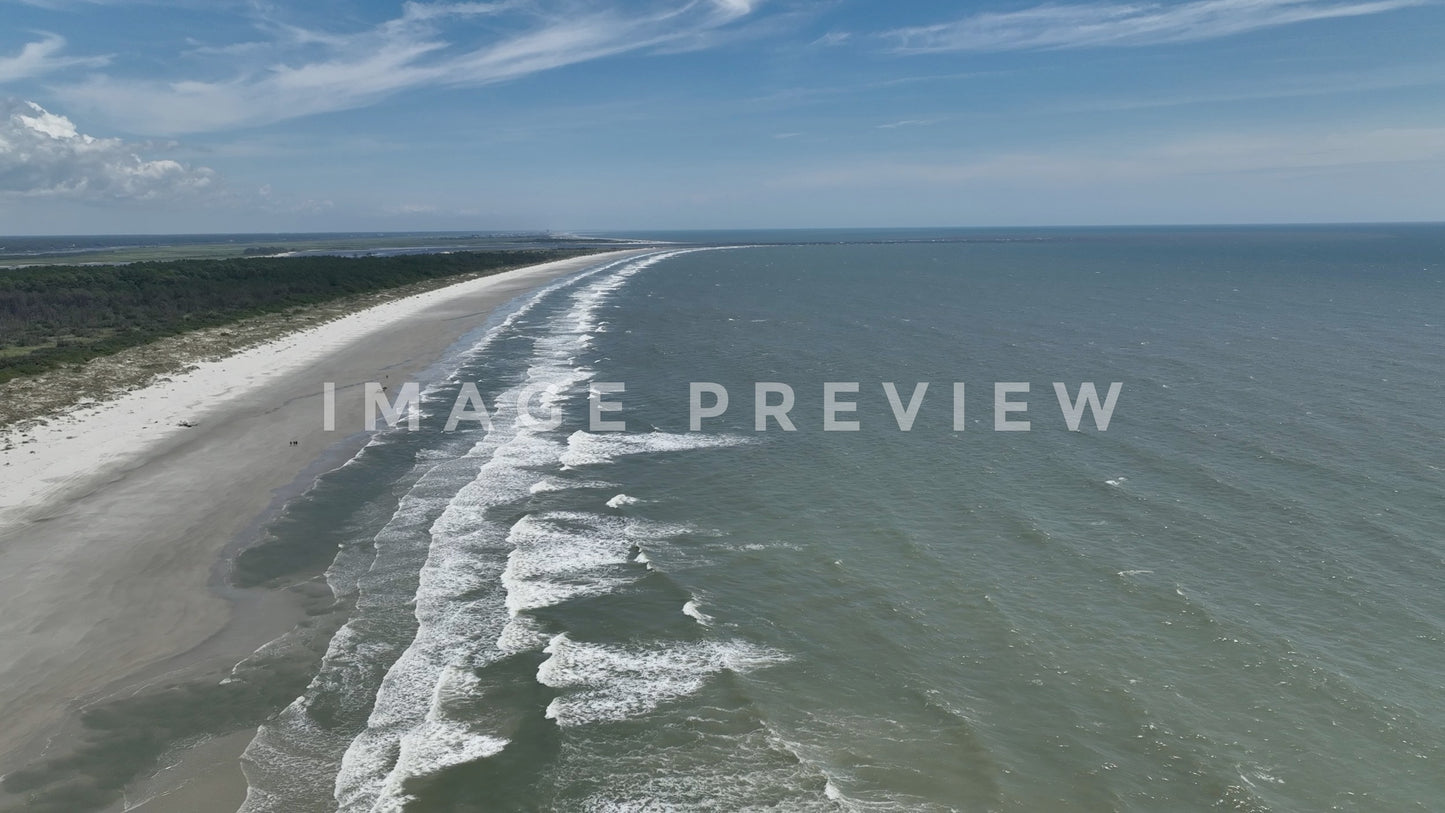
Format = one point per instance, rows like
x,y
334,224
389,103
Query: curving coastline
x,y
115,517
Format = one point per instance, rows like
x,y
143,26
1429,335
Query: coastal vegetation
x,y
63,315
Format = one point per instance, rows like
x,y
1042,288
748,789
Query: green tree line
x,y
57,315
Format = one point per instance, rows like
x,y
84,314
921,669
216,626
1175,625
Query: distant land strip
x,y
82,334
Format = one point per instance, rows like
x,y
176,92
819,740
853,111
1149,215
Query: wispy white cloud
x,y
76,5
51,4
432,11
1411,75
894,125
43,155
302,71
795,96
42,57
1216,154
1124,24
735,8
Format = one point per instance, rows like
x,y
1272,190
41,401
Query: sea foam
x,y
592,449
604,682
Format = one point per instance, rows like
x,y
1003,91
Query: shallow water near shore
x,y
1229,600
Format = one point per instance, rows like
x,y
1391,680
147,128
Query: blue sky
x,y
183,115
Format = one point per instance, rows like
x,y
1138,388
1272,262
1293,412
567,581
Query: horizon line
x,y
612,231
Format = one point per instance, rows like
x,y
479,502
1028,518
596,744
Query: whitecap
x,y
691,610
548,485
589,449
609,682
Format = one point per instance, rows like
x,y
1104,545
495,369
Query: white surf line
x,y
278,746
409,732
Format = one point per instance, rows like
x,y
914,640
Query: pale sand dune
x,y
113,522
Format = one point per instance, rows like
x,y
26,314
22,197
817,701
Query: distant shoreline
x,y
101,250
55,318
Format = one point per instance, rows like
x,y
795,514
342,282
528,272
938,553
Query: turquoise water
x,y
1228,600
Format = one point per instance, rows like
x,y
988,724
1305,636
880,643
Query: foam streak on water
x,y
420,721
459,613
604,683
310,738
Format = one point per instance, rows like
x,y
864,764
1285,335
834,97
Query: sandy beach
x,y
116,518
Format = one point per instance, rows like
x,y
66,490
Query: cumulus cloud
x,y
301,71
1104,24
42,57
43,155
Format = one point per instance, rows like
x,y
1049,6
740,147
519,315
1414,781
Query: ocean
x,y
1228,600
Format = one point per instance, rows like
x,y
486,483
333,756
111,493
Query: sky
x,y
174,116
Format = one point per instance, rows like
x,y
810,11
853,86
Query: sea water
x,y
1228,600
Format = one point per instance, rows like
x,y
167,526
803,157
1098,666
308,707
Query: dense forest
x,y
57,315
